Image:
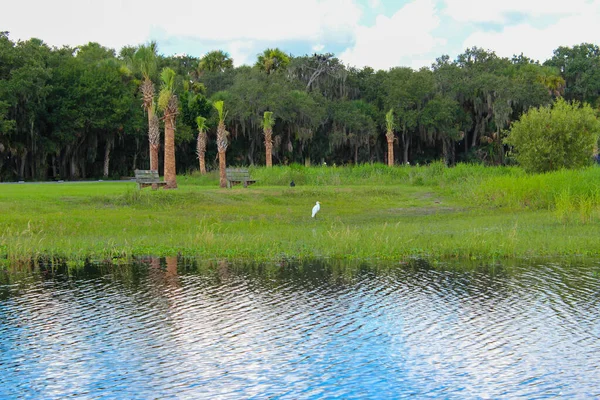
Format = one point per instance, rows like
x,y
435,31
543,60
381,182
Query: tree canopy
x,y
73,113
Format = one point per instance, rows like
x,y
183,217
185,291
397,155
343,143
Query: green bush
x,y
550,138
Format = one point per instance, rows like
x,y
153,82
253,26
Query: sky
x,y
378,33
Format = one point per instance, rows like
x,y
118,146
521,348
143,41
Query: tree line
x,y
90,112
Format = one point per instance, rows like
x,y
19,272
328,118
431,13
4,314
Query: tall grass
x,y
372,174
583,207
565,191
434,174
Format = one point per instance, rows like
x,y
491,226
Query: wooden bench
x,y
238,175
149,177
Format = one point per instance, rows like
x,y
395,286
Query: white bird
x,y
316,209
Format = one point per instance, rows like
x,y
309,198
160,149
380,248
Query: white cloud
x,y
393,41
243,27
539,43
274,20
116,23
73,22
236,26
500,11
241,52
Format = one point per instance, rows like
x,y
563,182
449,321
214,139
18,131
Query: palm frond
x,y
152,45
201,122
268,120
145,59
215,61
219,104
167,76
163,98
389,120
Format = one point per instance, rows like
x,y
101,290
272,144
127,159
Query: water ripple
x,y
302,331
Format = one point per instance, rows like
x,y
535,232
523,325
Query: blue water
x,y
294,331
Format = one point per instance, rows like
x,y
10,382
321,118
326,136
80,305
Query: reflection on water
x,y
163,328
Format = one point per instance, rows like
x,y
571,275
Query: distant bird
x,y
292,184
316,209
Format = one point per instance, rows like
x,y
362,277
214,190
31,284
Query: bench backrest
x,y
237,174
146,175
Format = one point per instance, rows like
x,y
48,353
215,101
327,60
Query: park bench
x,y
149,177
238,175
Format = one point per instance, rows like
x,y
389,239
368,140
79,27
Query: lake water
x,y
168,329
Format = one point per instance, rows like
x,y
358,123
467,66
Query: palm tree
x,y
168,104
145,60
551,79
154,139
389,124
215,61
221,142
272,60
268,122
201,142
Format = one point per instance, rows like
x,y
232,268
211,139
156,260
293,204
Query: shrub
x,y
550,138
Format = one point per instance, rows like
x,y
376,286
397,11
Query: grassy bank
x,y
367,212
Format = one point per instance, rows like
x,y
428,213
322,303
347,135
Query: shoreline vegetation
x,y
368,212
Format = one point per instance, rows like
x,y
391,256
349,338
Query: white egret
x,y
316,209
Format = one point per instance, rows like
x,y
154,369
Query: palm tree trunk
x,y
202,164
222,148
269,157
154,140
170,173
268,148
201,150
390,144
154,148
222,171
147,88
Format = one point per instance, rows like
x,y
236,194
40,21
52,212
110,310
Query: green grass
x,y
571,188
368,212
